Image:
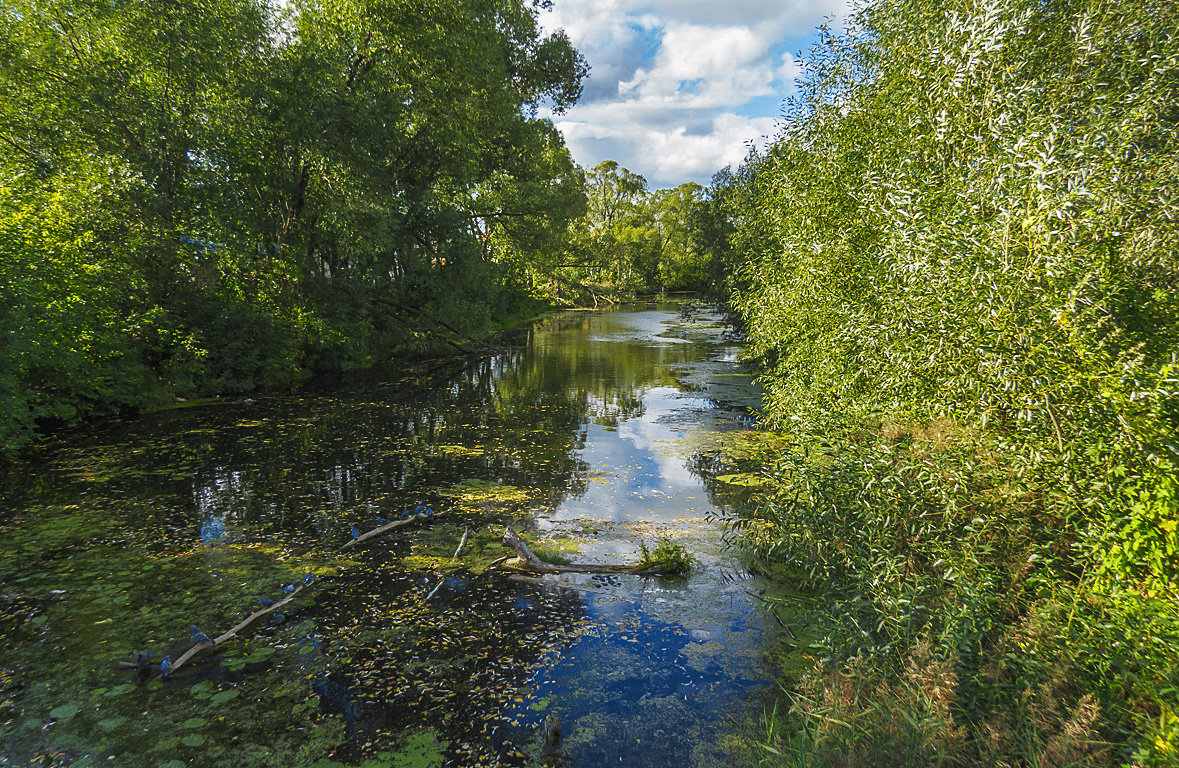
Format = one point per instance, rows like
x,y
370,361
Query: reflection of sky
x,y
651,690
635,473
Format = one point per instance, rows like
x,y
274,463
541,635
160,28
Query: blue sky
x,y
678,88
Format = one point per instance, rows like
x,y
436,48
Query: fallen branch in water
x,y
438,586
442,577
462,543
528,560
390,526
226,637
232,633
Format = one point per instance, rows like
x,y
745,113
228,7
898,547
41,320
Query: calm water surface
x,y
597,434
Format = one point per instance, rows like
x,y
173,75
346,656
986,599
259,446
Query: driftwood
x,y
528,560
232,633
390,526
226,637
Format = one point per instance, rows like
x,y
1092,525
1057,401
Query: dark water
x,y
597,434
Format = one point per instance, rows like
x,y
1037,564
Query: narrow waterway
x,y
598,434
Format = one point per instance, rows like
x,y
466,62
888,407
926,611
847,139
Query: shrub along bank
x,y
959,264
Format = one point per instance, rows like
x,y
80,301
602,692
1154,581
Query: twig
x,y
785,626
462,543
1055,426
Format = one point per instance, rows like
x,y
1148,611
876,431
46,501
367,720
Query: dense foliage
x,y
199,198
961,269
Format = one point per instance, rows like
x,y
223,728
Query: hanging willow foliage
x,y
969,315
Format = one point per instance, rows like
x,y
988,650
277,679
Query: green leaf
x,y
225,696
64,712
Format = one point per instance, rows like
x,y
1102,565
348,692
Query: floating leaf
x,y
225,696
64,712
193,740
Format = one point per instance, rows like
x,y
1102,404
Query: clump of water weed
x,y
670,559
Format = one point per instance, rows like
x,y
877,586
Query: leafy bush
x,y
968,310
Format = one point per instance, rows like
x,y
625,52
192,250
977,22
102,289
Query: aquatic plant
x,y
670,559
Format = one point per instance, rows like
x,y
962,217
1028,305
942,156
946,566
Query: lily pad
x,y
202,690
64,712
225,696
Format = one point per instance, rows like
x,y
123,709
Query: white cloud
x,y
666,154
671,81
705,67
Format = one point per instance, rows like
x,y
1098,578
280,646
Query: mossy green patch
x,y
472,492
459,451
419,750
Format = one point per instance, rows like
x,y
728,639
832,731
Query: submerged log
x,y
528,560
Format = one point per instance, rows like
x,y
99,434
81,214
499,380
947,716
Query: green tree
x,y
241,192
958,267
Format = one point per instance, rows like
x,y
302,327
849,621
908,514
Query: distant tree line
x,y
631,240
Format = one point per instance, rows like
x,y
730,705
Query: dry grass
x,y
853,718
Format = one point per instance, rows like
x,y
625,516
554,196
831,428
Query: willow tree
x,y
968,306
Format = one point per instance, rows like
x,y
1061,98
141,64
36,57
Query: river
x,y
594,435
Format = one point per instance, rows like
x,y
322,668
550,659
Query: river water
x,y
597,434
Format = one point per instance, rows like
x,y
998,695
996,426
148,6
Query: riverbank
x,y
962,285
277,364
947,623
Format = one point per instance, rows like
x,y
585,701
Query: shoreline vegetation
x,y
957,265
